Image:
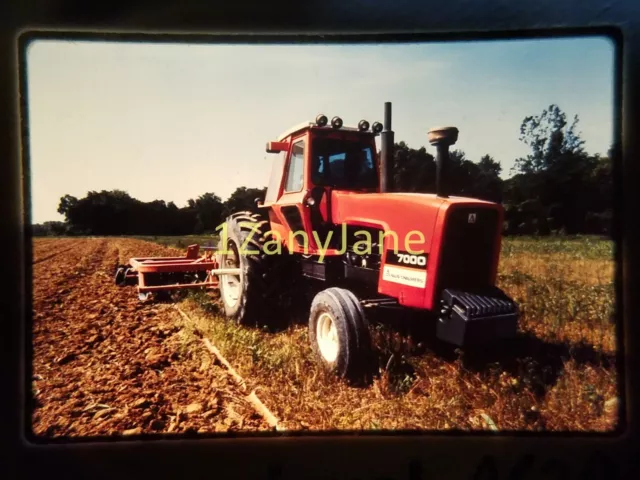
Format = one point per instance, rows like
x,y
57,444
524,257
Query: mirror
x,y
277,147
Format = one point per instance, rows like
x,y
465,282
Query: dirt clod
x,y
141,403
194,408
65,359
157,425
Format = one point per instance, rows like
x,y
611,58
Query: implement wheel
x,y
256,297
120,277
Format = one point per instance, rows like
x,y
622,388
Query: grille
x,y
466,254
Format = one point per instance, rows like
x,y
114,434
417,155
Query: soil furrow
x,y
106,364
48,257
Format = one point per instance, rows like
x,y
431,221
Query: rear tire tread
x,y
260,302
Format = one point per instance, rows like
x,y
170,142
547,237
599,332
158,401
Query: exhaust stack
x,y
386,152
442,138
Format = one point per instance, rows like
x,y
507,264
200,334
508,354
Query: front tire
x,y
339,333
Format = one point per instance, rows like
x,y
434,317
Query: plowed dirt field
x,y
105,363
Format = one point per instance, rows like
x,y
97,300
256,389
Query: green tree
x,y
488,166
488,185
552,140
557,174
51,228
244,198
67,205
208,209
414,169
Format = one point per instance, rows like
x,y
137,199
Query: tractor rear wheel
x,y
339,333
255,297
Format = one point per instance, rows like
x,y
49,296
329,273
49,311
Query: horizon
x,y
174,121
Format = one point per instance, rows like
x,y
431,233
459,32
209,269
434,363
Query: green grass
x,y
575,247
253,345
180,241
564,286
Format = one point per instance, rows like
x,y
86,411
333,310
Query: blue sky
x,y
173,121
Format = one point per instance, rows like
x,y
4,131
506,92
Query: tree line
x,y
557,188
117,213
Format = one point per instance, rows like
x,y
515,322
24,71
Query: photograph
x,y
244,238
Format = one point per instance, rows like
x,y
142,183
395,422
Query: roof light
x,y
336,122
321,120
363,126
377,127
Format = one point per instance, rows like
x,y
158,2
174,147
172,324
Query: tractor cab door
x,y
319,198
291,213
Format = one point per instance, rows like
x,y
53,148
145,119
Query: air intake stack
x,y
442,138
386,152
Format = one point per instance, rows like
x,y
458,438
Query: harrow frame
x,y
166,274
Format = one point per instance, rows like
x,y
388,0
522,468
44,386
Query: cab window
x,y
277,170
343,164
295,174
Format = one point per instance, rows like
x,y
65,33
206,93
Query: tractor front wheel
x,y
339,333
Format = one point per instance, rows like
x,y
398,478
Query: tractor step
x,y
472,318
379,302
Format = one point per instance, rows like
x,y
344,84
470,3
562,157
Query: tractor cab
x,y
313,160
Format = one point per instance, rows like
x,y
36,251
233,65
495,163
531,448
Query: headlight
x,y
321,120
363,126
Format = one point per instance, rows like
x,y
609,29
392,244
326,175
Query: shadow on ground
x,y
538,363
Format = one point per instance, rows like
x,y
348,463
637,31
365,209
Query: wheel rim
x,y
231,285
327,337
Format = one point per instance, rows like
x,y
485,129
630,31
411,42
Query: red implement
x,y
164,274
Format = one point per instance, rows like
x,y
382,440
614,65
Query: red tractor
x,y
332,226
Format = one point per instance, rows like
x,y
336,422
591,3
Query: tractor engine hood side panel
x,y
411,218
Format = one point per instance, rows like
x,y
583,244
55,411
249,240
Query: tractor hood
x,y
411,216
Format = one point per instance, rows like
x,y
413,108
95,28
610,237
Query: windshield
x,y
343,164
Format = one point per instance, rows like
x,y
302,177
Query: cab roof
x,y
314,126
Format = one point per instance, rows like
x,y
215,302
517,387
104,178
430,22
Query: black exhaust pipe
x,y
442,138
386,152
